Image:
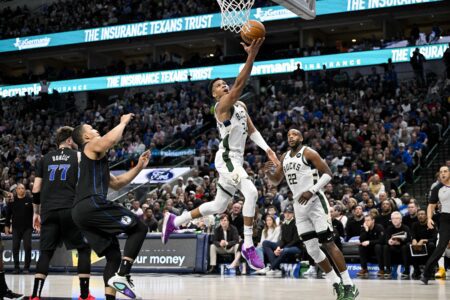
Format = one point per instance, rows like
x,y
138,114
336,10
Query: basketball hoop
x,y
235,13
305,9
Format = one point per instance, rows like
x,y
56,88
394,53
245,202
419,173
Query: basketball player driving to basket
x,y
234,125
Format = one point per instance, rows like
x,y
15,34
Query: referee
x,y
53,198
441,192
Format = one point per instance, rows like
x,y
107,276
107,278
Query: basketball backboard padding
x,y
305,9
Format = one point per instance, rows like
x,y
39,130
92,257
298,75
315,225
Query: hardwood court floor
x,y
199,287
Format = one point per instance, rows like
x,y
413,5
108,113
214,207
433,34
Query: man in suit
x,y
225,240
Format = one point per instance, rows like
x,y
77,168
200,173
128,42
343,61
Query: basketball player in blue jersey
x,y
234,125
302,166
101,220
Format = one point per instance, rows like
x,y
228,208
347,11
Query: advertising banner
x,y
159,175
182,253
272,13
309,63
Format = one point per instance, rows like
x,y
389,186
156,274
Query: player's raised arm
x,y
118,182
230,99
277,175
106,142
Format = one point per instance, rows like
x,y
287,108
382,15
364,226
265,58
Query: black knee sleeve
x,y
113,258
136,237
84,260
44,262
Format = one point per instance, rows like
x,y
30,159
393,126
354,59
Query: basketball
x,y
252,30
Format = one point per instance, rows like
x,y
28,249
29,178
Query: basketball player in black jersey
x,y
53,198
101,220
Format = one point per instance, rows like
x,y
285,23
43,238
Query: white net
x,y
235,13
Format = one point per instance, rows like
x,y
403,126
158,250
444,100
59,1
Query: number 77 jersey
x,y
59,172
299,173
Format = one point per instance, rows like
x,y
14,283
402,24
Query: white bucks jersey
x,y
300,175
233,132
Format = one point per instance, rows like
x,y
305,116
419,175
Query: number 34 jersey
x,y
59,172
299,173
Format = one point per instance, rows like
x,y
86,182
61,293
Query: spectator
x,y
157,211
398,238
136,209
417,60
384,218
169,207
411,217
446,59
271,232
237,219
288,245
179,184
394,199
355,223
339,215
191,186
272,211
19,220
346,177
338,229
150,221
422,237
403,208
225,240
371,244
289,200
376,186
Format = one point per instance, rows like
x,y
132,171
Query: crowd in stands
x,y
371,130
171,60
65,15
22,21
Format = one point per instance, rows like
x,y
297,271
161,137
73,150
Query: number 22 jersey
x,y
300,175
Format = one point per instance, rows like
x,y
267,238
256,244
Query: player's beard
x,y
296,146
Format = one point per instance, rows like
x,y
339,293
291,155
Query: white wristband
x,y
259,140
323,181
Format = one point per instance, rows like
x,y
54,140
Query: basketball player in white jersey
x,y
302,166
234,125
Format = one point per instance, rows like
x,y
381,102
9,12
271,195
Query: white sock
x,y
332,277
248,236
441,262
184,218
346,280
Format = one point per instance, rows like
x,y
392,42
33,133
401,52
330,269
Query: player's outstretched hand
x,y
253,48
273,157
304,198
126,118
144,159
37,222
